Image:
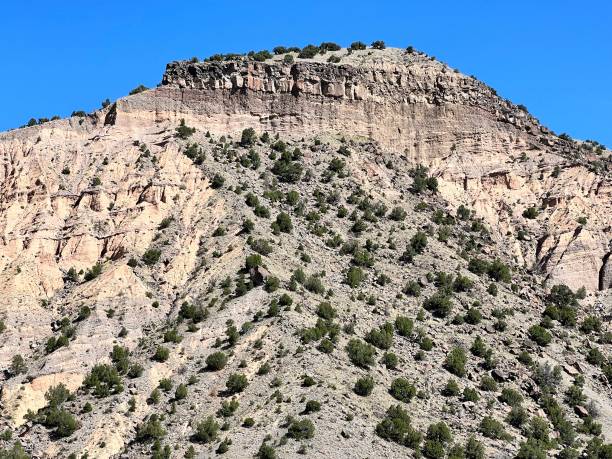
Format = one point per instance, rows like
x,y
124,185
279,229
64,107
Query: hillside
x,y
293,256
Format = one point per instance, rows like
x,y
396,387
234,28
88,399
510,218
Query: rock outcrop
x,y
489,152
117,230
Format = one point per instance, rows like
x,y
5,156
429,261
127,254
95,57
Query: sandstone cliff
x,y
108,187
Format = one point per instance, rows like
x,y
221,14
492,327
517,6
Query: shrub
x,y
285,300
357,45
382,337
228,408
94,272
314,284
312,406
161,354
591,324
498,271
517,416
166,384
402,390
561,295
487,383
308,52
510,396
462,284
181,392
473,316
433,450
360,353
248,422
84,313
248,138
354,276
261,246
272,284
390,360
183,131
378,44
478,348
286,169
283,223
492,428
301,430
398,214
326,346
531,449
329,46
54,343
547,377
474,449
404,326
530,212
418,242
413,438
470,395
359,226
451,389
253,261
426,344
138,89
395,425
103,380
326,311
455,362
120,358
540,335
438,436
135,370
57,395
18,365
421,181
538,430
151,256
364,386
266,452
236,383
172,336
438,304
478,266
412,288
259,56
363,258
217,181
595,357
207,430
155,396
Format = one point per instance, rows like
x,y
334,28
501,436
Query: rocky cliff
x,y
122,213
487,152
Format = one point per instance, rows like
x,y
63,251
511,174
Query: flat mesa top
x,y
368,58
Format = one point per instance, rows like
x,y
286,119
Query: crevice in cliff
x,y
111,116
603,280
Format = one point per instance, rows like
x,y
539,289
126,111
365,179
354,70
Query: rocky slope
x,y
115,221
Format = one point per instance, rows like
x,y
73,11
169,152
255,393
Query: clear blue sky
x,y
555,57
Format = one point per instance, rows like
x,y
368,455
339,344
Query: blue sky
x,y
555,57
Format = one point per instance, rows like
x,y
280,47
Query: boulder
x,y
258,275
581,411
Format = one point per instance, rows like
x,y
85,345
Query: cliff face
x,y
489,153
163,216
